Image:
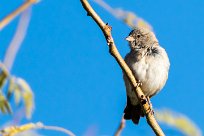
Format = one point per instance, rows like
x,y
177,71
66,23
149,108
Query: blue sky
x,y
79,86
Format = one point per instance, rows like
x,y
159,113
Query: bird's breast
x,y
152,71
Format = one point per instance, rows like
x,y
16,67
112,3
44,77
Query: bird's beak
x,y
129,39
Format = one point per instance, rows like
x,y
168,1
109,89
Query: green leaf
x,y
21,91
11,87
4,105
17,96
27,95
14,89
3,75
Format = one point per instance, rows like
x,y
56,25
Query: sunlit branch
x,y
106,29
15,13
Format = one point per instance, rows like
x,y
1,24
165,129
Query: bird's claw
x,y
151,111
139,83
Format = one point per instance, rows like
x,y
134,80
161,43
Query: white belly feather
x,y
152,71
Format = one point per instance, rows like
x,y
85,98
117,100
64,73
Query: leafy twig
x,y
19,89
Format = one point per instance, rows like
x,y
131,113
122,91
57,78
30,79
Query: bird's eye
x,y
138,36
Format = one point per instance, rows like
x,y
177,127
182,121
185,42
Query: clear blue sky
x,y
79,86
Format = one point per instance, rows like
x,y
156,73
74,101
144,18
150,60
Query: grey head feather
x,y
141,38
142,42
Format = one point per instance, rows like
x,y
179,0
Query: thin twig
x,y
55,128
17,40
129,18
15,13
13,130
120,127
106,29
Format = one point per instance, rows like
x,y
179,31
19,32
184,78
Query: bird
x,y
149,64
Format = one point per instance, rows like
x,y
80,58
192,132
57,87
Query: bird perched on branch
x,y
150,65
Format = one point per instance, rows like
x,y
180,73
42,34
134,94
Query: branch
x,y
11,16
20,32
13,130
128,17
18,38
12,50
120,127
55,128
106,29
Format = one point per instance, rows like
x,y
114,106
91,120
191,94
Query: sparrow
x,y
150,64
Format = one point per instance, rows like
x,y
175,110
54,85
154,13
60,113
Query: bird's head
x,y
141,38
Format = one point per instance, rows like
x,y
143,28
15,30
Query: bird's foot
x,y
139,83
151,111
147,100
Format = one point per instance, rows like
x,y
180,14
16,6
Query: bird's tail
x,y
133,112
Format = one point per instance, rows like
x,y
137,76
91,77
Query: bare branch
x,y
55,128
120,127
18,38
106,29
15,13
20,32
128,17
